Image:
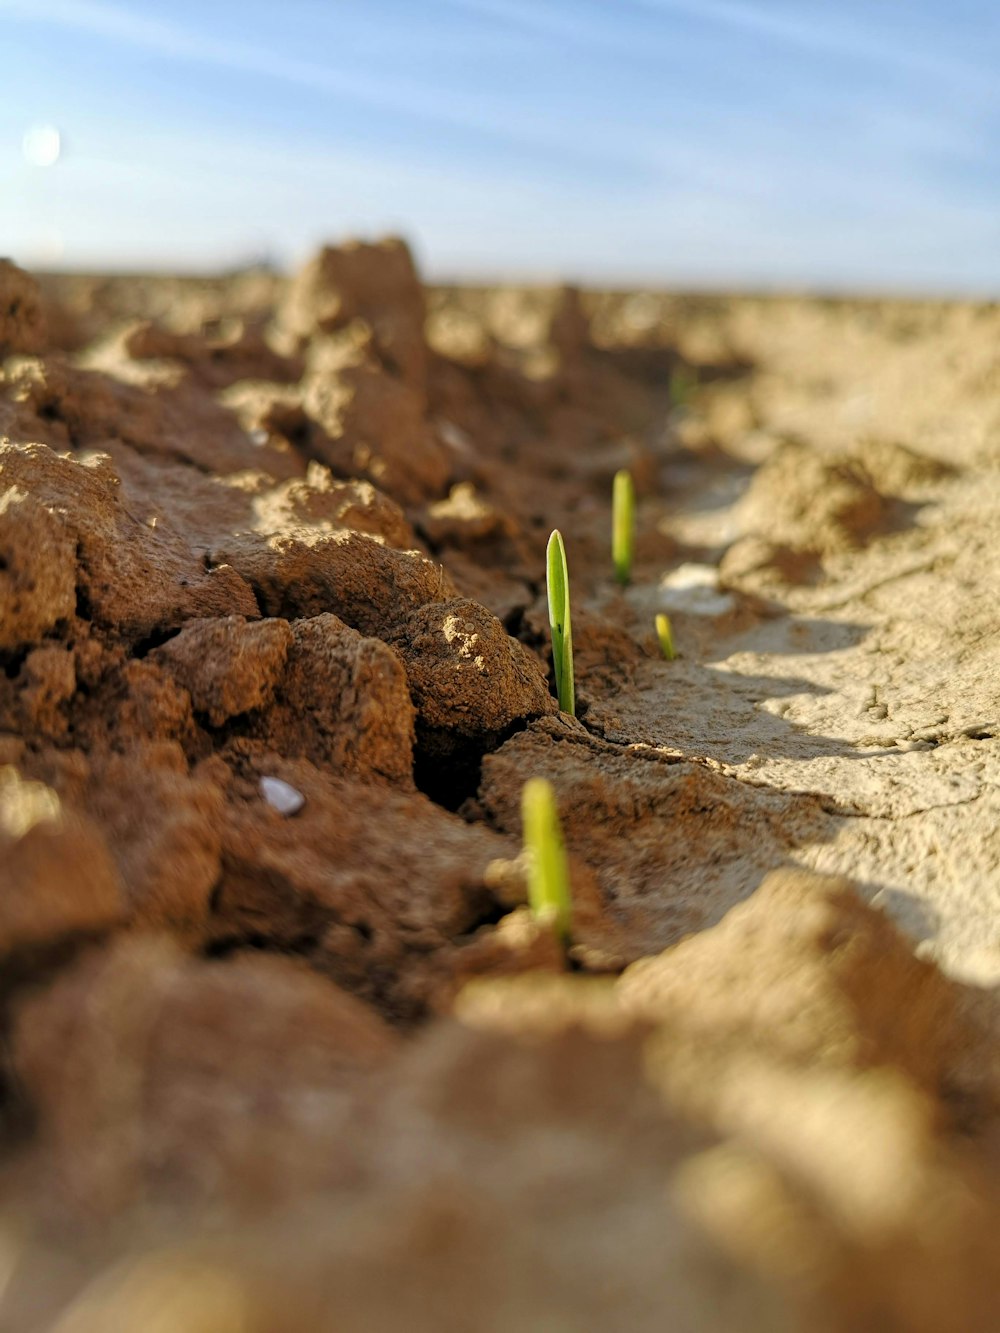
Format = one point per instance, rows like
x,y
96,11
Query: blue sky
x,y
786,143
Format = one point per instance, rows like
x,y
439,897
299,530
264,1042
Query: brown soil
x,y
296,1057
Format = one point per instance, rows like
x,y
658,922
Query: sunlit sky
x,y
790,143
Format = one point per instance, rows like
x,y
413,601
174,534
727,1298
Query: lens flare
x,y
42,145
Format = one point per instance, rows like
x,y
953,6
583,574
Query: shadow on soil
x,y
711,713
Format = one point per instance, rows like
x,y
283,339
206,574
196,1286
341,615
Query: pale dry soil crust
x,y
282,1048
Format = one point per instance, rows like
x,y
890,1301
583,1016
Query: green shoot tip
x,y
665,634
623,525
548,869
557,581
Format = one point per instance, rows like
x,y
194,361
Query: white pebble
x,y
454,437
281,796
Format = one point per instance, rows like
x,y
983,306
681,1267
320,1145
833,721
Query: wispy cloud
x,y
809,30
499,119
812,31
91,16
533,16
626,139
172,41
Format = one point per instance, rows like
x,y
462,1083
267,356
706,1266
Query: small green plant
x,y
557,579
548,871
683,383
623,526
665,634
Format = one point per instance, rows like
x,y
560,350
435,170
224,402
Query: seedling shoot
x,y
548,871
557,579
665,634
623,526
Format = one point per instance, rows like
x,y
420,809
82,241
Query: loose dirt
x,y
282,1047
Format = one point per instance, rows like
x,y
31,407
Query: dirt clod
x,y
33,600
470,681
227,666
22,320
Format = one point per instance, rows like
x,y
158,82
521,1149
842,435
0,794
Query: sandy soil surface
x,y
283,1048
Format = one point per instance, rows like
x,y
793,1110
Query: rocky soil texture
x,y
282,1047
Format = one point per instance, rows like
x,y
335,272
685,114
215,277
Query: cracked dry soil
x,y
267,1071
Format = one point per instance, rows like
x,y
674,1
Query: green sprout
x,y
665,634
623,525
557,579
548,871
683,383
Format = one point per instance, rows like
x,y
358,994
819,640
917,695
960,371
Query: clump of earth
x,y
283,1047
